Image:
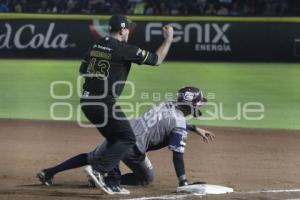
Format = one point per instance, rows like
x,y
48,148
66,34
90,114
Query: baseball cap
x,y
119,21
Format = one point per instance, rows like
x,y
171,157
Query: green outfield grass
x,y
25,89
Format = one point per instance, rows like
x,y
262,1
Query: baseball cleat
x,y
91,183
117,189
124,191
44,179
98,179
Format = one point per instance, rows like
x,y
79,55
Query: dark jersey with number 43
x,y
107,64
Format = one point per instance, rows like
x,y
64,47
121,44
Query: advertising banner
x,y
193,41
44,39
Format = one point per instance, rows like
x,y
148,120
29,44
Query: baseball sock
x,y
74,162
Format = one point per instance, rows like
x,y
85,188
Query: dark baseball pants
x,y
140,165
114,127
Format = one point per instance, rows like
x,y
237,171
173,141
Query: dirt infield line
x,y
165,197
170,197
293,199
269,191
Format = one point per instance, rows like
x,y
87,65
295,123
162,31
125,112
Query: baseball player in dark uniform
x,y
105,68
163,125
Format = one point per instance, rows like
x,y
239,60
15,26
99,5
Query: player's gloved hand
x,y
183,183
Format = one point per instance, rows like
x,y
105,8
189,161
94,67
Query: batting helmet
x,y
191,95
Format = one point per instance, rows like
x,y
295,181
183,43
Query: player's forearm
x,y
194,128
179,168
163,50
191,127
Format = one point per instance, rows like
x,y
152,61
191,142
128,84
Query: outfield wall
x,y
195,38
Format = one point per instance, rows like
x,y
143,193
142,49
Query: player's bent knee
x,y
148,178
149,171
151,176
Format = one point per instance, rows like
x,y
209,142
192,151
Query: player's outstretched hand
x,y
168,32
206,135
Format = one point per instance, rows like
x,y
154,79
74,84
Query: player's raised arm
x,y
163,50
140,56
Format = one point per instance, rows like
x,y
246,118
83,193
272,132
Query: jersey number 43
x,y
98,68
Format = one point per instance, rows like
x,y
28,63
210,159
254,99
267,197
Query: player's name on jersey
x,y
100,54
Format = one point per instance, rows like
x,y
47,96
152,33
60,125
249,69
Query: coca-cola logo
x,y
28,37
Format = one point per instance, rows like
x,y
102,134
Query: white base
x,y
204,189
